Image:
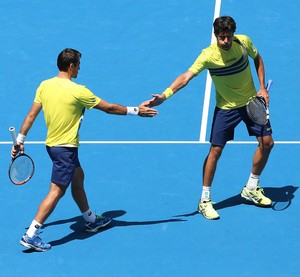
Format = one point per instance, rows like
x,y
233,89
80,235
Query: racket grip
x,y
12,131
269,84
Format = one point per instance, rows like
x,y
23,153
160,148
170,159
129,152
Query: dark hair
x,y
224,24
66,57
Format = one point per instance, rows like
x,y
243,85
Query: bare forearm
x,y
116,109
179,83
260,69
29,119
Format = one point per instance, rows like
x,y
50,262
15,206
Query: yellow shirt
x,y
64,103
230,71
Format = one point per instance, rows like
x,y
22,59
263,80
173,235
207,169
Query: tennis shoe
x,y
101,222
207,210
35,243
256,196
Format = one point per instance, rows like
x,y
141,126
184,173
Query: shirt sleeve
x,y
200,63
88,99
252,50
37,98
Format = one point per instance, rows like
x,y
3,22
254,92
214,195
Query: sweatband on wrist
x,y
133,110
168,93
21,138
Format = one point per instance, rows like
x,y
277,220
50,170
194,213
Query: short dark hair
x,y
224,24
66,57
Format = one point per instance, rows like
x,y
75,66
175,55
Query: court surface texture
x,y
146,172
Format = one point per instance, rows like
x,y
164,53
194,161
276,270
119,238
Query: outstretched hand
x,y
146,111
155,101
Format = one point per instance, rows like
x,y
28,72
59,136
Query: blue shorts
x,y
225,121
64,162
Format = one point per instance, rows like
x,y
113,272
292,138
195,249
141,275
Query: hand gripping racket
x,y
257,109
21,167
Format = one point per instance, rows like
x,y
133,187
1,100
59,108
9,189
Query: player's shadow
x,y
78,227
281,199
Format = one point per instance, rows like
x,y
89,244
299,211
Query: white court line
x,y
157,142
208,84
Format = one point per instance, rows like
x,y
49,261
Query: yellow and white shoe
x,y
256,196
207,210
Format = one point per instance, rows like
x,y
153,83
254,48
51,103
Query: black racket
x,y
21,167
257,109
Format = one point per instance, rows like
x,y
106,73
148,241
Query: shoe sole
x,y
97,229
256,203
33,247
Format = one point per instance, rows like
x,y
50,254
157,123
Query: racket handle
x,y
269,84
12,131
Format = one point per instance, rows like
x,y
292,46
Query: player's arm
x,y
112,108
179,83
30,118
260,70
27,123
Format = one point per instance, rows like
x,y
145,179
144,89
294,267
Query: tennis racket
x,y
21,167
257,109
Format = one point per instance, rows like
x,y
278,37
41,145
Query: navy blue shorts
x,y
225,121
64,162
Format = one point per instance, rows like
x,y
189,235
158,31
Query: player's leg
x,y
93,222
205,206
252,190
31,238
49,203
223,125
261,155
77,189
210,164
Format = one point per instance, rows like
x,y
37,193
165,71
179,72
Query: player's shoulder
x,y
210,50
243,38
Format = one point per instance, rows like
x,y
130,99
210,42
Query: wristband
x,y
168,93
21,138
133,110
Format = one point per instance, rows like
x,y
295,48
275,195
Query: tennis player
x,y
64,103
228,64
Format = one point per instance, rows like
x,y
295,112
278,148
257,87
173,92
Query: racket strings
x,y
257,111
21,170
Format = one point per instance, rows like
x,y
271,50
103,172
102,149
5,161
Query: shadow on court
x,y
281,197
78,227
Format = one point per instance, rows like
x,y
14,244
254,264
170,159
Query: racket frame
x,y
262,100
11,164
15,143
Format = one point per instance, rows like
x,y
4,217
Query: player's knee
x,y
216,152
267,144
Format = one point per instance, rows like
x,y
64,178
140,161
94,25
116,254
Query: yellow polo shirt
x,y
230,71
64,103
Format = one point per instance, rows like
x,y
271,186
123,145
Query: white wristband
x,y
21,138
133,110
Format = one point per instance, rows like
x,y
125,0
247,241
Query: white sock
x,y
89,216
205,193
252,181
33,228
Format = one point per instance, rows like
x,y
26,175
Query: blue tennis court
x,y
146,172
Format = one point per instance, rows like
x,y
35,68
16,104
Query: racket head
x,y
257,110
21,169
